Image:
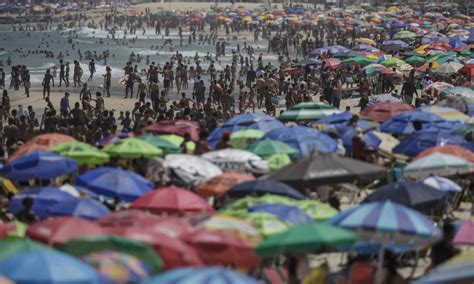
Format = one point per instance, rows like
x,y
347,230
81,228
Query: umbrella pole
x,y
379,273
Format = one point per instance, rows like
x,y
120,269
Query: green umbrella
x,y
466,53
10,247
178,140
20,230
392,62
239,207
404,35
86,245
242,138
267,224
266,148
305,239
82,153
308,112
415,60
358,60
277,161
317,210
132,148
166,146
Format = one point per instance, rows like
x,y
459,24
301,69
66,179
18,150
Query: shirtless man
x,y
107,80
61,73
128,69
85,96
260,88
141,91
77,74
167,74
154,95
47,80
91,70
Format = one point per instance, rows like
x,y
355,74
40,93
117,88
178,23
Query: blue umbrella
x,y
336,48
427,40
365,47
342,119
287,213
441,183
305,139
205,275
85,208
115,182
258,121
370,139
456,270
38,165
43,197
420,141
47,266
456,43
403,123
261,186
394,44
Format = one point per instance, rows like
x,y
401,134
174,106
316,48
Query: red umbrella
x,y
452,150
467,69
385,110
444,46
178,127
7,228
173,251
172,200
60,230
218,185
222,248
41,142
332,63
171,226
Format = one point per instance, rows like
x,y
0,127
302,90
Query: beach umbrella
x,y
218,185
447,113
277,161
237,160
465,234
404,35
341,120
358,60
60,230
261,187
80,247
206,275
161,143
456,270
85,208
115,138
177,141
321,169
332,63
304,239
243,138
261,122
240,228
82,153
267,224
222,248
383,111
459,91
417,142
191,169
305,139
43,198
12,230
364,47
173,251
448,68
240,206
373,69
308,61
402,123
437,164
316,209
415,60
437,87
307,112
288,213
172,200
367,41
178,127
441,184
412,194
38,165
132,148
265,148
116,267
39,143
47,266
453,150
394,45
115,182
11,247
392,62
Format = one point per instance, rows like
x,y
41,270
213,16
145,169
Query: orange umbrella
x,y
41,142
452,150
218,185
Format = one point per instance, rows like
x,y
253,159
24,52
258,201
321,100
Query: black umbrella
x,y
320,169
416,195
260,187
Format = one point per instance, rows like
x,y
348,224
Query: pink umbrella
x,y
465,235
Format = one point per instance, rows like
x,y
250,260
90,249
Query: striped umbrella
x,y
307,112
205,275
438,164
441,183
456,270
447,113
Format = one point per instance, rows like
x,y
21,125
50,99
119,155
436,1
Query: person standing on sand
x,y
47,80
128,69
91,70
107,80
27,83
66,76
77,74
61,73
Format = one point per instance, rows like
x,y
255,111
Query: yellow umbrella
x,y
247,19
421,49
240,228
372,56
366,41
388,142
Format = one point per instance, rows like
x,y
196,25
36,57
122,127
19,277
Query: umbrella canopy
x,y
172,200
411,194
342,119
404,35
39,143
403,123
305,139
383,111
392,62
11,247
316,209
332,63
265,148
288,213
437,164
38,165
82,153
222,248
456,270
43,198
178,127
447,113
207,275
261,187
132,148
59,230
326,169
304,239
237,160
240,228
441,184
465,234
243,138
85,208
13,229
307,112
191,169
161,143
308,61
87,245
218,185
415,60
452,150
358,60
448,68
47,266
394,45
116,267
115,182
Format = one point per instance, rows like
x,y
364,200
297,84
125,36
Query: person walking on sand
x,y
61,73
91,70
47,80
107,80
77,74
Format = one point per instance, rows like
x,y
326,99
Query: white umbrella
x,y
438,164
191,169
237,160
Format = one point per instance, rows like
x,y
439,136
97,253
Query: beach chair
x,y
362,273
